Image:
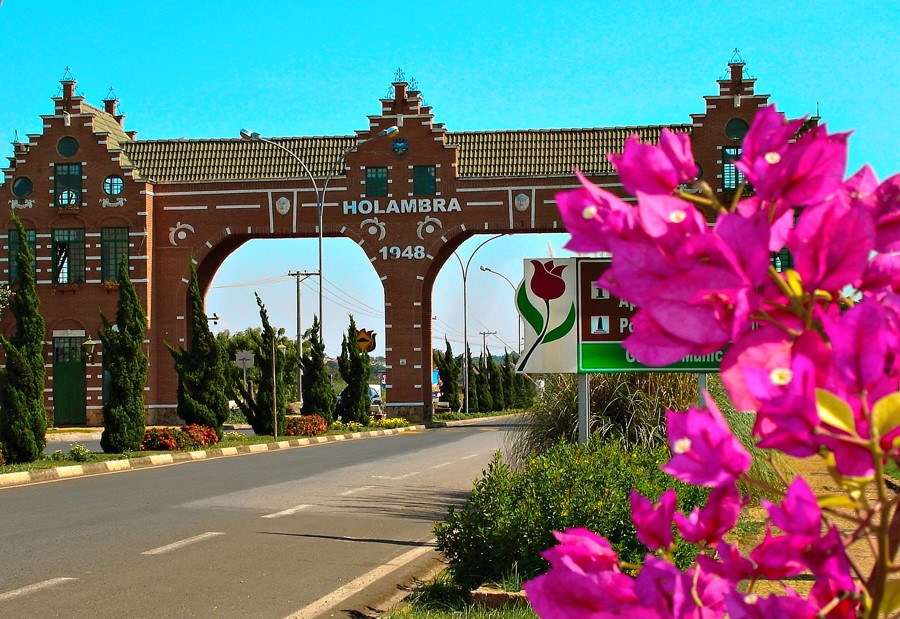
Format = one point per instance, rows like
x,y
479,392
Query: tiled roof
x,y
545,152
532,152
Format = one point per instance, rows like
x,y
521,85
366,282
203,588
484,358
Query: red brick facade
x,y
176,211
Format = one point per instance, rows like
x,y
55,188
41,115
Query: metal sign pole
x,y
584,408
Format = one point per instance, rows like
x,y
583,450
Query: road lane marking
x,y
339,595
470,457
32,588
182,543
286,512
352,490
442,465
405,476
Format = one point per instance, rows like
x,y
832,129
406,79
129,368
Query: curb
x,y
114,466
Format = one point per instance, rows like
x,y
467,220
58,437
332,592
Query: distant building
x,y
89,193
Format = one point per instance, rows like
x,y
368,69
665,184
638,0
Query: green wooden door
x,y
69,390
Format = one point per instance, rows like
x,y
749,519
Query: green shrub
x,y
80,453
350,426
510,516
391,422
306,425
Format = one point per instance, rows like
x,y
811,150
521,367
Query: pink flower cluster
x,y
813,350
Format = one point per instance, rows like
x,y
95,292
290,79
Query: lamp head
x,y
484,268
389,132
246,134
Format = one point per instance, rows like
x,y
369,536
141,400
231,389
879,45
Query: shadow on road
x,y
367,540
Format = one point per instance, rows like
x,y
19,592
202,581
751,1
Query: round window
x,y
699,174
67,146
736,129
67,198
113,185
22,187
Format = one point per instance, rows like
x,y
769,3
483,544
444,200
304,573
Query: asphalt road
x,y
261,535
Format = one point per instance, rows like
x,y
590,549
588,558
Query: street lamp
x,y
465,275
519,319
246,134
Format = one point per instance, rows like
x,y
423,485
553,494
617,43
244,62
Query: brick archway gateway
x,y
407,201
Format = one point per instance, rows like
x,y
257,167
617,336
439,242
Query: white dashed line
x,y
182,543
32,588
405,476
286,512
470,457
440,466
349,492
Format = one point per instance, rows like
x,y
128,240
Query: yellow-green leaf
x,y
837,501
891,600
794,282
886,413
834,411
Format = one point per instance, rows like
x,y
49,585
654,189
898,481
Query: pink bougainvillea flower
x,y
732,565
753,606
778,557
887,215
653,521
709,523
787,173
591,215
664,589
827,560
704,450
799,513
653,169
861,339
831,245
582,550
547,282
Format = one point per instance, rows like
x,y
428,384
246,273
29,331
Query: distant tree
x,y
318,394
470,399
508,371
448,368
126,364
495,383
483,388
355,404
256,403
202,369
23,419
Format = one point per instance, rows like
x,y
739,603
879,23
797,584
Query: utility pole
x,y
300,276
484,335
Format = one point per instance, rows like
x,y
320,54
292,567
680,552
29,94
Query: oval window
x,y
67,198
22,187
113,185
67,146
736,129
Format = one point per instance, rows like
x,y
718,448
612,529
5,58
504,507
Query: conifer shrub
x,y
305,425
510,516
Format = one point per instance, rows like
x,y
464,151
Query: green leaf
x,y
528,311
834,411
562,329
891,600
886,413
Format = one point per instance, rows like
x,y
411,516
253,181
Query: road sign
x,y
244,359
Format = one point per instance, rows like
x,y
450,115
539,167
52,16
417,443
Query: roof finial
x,y
736,57
111,95
16,139
68,77
399,75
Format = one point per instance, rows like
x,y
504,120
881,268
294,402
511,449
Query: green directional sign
x,y
599,357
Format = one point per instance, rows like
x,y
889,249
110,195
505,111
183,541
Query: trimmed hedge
x,y
510,516
187,437
305,425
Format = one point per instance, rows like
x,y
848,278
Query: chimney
x,y
399,91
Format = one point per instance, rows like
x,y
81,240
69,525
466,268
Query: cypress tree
x,y
485,398
125,362
318,394
202,369
448,368
258,407
472,405
23,419
495,383
509,381
353,364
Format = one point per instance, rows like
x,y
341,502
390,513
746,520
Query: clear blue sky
x,y
202,69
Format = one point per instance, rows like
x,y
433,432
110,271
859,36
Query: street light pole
x,y
465,275
519,319
246,134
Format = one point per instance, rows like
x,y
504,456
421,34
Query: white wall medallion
x,y
374,227
282,205
522,202
23,204
429,225
179,232
107,203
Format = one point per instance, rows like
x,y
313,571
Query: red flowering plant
x,y
814,352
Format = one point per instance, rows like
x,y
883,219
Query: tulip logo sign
x,y
575,326
546,301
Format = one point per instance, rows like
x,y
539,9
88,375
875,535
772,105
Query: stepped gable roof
x,y
107,123
481,154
